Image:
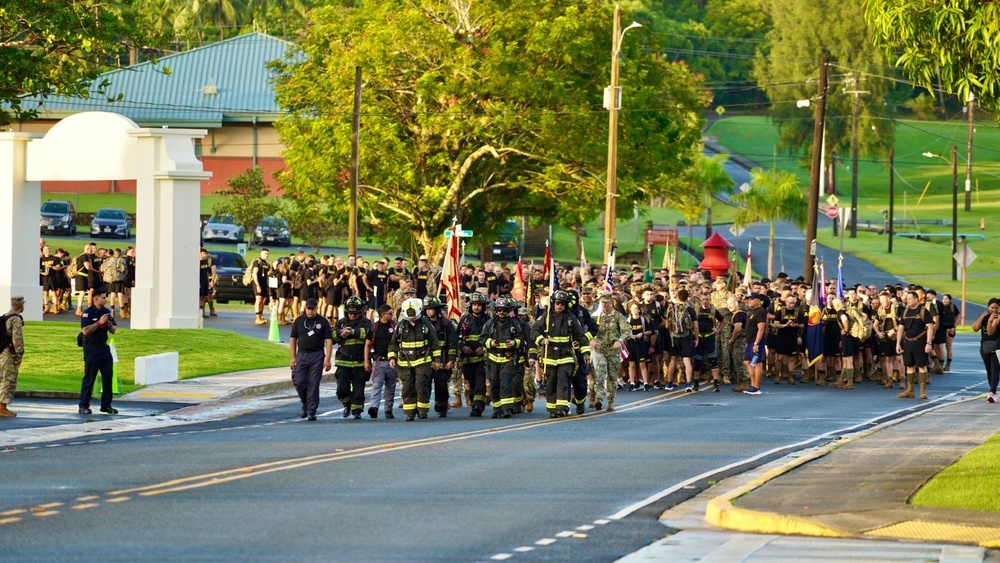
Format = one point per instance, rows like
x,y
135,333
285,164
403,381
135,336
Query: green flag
x,y
648,277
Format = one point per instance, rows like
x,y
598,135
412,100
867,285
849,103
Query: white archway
x,y
108,146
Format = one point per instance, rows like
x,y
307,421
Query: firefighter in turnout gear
x,y
448,340
502,337
352,333
578,383
558,334
472,353
415,352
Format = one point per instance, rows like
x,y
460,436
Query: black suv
x,y
229,268
58,218
507,245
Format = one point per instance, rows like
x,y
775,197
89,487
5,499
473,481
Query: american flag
x,y
610,274
624,353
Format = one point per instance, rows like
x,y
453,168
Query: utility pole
x,y
968,162
954,212
816,169
892,193
855,114
352,220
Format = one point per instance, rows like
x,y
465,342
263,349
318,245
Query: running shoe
x,y
752,391
992,397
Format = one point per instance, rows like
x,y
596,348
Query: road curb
x,y
722,513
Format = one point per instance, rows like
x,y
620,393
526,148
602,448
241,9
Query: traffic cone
x,y
273,335
114,369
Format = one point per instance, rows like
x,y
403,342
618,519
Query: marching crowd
x,y
595,335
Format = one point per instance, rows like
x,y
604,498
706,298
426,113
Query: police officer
x,y
415,352
472,352
448,341
558,335
96,322
502,337
353,334
311,346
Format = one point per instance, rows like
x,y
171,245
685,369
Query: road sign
x,y
967,254
833,200
666,237
462,233
737,231
832,211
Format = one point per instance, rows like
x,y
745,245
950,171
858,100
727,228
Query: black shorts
x,y
49,283
914,355
202,288
82,283
887,348
832,345
116,287
638,351
260,288
849,346
941,335
682,346
786,345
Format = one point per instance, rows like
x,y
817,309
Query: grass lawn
x,y
926,263
52,361
971,483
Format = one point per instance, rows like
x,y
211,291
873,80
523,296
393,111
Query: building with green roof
x,y
223,87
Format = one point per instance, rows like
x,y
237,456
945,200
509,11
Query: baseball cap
x,y
311,303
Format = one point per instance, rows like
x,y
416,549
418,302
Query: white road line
x,y
546,541
846,430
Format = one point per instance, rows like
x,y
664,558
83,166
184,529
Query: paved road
x,y
266,485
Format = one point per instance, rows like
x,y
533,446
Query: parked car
x,y
507,245
58,218
273,231
109,222
229,268
222,228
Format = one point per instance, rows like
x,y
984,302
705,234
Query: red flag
x,y
547,264
517,292
449,276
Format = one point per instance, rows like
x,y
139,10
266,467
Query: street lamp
x,y
954,206
612,102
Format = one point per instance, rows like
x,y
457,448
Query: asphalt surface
x,y
260,483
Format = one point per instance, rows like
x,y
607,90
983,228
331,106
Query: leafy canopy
x,y
948,42
478,111
59,47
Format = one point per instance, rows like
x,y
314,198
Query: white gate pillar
x,y
168,205
20,201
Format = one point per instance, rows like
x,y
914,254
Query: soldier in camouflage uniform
x,y
11,355
720,300
613,329
735,342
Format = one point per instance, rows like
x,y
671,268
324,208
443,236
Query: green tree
x,y
478,111
60,47
774,195
247,199
948,42
788,66
312,220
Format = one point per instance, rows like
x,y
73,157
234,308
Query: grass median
x,y
970,483
53,362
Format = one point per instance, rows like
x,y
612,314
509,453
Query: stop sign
x,y
832,211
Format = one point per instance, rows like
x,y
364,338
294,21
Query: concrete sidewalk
x,y
847,500
196,400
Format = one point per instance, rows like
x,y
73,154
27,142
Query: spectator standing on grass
x,y
11,354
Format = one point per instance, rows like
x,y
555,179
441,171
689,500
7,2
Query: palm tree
x,y
774,195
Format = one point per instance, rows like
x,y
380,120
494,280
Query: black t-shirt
x,y
377,280
491,282
381,336
420,281
755,317
708,317
740,317
311,334
81,265
46,263
90,316
915,321
263,268
205,270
